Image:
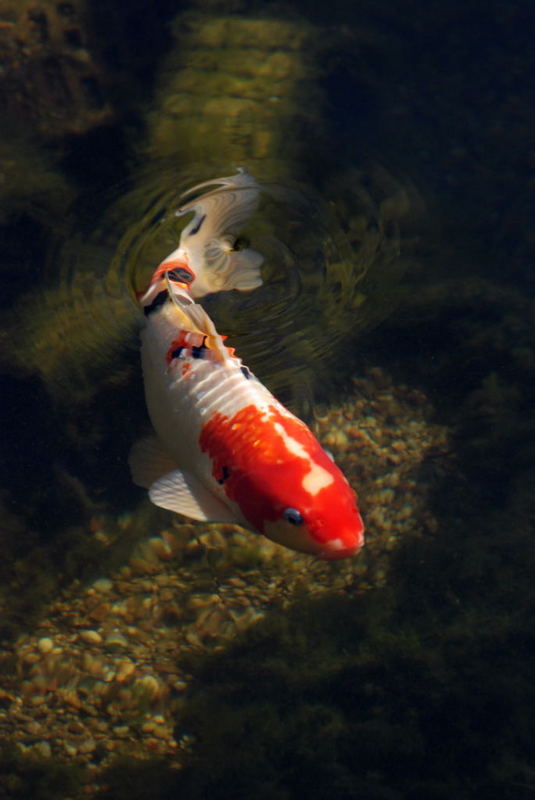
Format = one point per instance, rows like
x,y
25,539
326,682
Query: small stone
x,y
160,732
336,438
108,674
149,686
93,664
100,612
34,728
116,639
103,585
45,644
124,670
91,637
42,749
75,726
71,698
37,700
160,548
87,746
100,725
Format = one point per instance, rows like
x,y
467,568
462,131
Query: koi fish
x,y
210,257
225,449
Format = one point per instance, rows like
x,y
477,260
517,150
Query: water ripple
x,y
327,262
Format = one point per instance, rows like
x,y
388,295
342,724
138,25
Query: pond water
x,y
145,655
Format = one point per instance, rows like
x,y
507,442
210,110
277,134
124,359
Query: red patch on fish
x,y
260,466
184,339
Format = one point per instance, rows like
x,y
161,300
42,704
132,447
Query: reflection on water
x,y
127,631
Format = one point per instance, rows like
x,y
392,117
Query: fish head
x,y
325,522
285,484
331,532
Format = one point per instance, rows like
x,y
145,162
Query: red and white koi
x,y
225,448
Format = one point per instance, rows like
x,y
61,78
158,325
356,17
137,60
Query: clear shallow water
x,y
410,670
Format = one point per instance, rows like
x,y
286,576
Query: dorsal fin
x,y
193,317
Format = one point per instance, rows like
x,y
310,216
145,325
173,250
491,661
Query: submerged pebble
x,y
103,585
91,637
194,587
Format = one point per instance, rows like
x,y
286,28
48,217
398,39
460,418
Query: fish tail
x,y
218,260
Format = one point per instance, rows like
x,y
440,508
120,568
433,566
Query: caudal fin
x,y
225,209
209,241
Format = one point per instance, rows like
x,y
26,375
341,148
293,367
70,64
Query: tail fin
x,y
209,239
231,204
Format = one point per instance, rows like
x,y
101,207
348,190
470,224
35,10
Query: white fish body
x,y
180,399
225,448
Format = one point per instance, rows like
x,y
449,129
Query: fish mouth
x,y
337,553
346,544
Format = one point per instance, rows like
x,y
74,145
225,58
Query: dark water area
x,y
143,656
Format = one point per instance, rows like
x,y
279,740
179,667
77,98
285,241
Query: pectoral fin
x,y
181,492
171,488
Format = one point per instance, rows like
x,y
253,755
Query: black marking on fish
x,y
176,352
246,372
180,274
225,473
197,227
198,352
158,301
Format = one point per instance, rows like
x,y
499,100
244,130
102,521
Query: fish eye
x,y
293,516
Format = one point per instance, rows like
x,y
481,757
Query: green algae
x,y
32,182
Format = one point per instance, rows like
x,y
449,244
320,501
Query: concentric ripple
x,y
289,328
323,274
